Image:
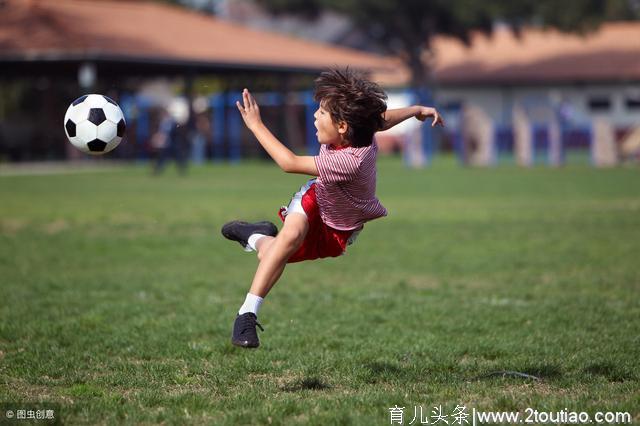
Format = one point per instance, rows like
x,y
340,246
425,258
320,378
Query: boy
x,y
330,210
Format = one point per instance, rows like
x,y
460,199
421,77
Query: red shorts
x,y
321,240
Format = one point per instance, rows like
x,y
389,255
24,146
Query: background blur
x,y
517,83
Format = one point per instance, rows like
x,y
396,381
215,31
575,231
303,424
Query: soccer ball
x,y
94,124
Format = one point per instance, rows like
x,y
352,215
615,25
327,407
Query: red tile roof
x,y
79,29
610,54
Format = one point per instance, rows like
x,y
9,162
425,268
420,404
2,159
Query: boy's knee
x,y
293,233
293,236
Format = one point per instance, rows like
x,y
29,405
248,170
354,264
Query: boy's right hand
x,y
249,110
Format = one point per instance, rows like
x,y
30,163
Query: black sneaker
x,y
241,231
244,331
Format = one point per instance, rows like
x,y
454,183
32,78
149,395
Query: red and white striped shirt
x,y
346,186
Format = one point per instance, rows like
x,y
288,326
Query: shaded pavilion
x,y
63,48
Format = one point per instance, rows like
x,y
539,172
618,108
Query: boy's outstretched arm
x,y
283,156
396,116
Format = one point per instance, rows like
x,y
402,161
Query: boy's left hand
x,y
426,112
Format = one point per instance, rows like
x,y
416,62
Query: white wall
x,y
498,101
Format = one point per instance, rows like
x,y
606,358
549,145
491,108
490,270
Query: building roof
x,y
59,30
612,53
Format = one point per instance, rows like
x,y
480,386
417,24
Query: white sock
x,y
251,304
253,240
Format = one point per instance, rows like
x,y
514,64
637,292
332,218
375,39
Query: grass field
x,y
118,296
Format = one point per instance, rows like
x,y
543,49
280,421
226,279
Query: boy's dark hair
x,y
351,98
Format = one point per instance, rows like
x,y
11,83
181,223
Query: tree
x,y
406,28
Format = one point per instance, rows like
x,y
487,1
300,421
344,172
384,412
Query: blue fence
x,y
227,125
227,133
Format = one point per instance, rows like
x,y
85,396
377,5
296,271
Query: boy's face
x,y
328,132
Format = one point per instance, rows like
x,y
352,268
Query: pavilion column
x,y
188,94
187,134
289,125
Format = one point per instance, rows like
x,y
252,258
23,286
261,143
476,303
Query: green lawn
x,y
118,296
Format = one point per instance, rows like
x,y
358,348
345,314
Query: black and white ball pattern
x,y
94,124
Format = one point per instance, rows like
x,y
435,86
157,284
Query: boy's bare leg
x,y
275,252
263,244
